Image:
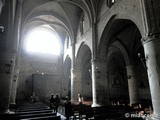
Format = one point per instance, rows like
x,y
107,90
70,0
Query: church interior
x,y
107,51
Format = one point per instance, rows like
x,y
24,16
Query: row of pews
x,y
83,112
97,113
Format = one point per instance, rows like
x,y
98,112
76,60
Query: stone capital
x,y
150,37
74,70
97,61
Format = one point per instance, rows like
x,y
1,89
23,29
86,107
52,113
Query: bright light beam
x,y
43,40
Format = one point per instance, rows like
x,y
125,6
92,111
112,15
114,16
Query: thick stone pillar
x,y
132,84
73,72
99,84
2,2
17,26
152,55
94,85
8,53
76,84
14,86
6,70
73,79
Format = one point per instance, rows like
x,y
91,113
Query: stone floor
x,y
29,111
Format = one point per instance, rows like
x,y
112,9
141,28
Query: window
x,y
82,24
43,40
67,39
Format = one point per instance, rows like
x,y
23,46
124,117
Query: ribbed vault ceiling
x,y
62,15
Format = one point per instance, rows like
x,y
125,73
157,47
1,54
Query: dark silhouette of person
x,y
34,98
68,108
57,103
52,102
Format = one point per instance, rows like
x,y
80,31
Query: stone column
x,y
76,84
152,55
99,83
73,72
94,86
72,84
132,84
14,86
7,56
17,26
6,70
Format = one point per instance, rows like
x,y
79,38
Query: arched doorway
x,y
117,77
84,65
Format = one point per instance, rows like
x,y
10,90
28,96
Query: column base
x,y
13,106
96,105
134,102
5,112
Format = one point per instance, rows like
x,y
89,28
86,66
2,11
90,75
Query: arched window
x,y
67,41
82,24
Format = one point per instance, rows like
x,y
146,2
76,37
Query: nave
x,y
40,111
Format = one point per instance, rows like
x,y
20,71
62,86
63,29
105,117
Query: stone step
x,y
40,104
8,117
36,103
35,112
26,110
22,108
35,115
32,106
44,118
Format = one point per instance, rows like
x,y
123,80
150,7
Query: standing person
x,y
52,102
68,108
57,102
80,99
